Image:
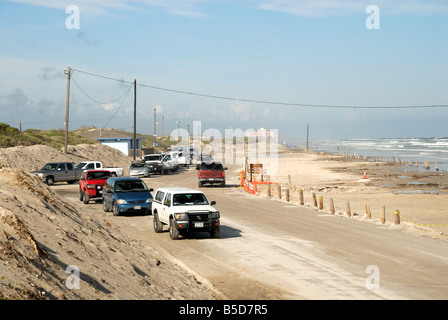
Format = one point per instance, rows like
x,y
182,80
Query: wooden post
x,y
321,203
279,191
301,197
437,166
332,206
397,216
289,179
383,214
347,207
314,199
426,165
369,215
268,190
287,194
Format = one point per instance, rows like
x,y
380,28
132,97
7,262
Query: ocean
x,y
414,149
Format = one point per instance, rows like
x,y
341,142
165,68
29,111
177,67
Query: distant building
x,y
118,140
262,132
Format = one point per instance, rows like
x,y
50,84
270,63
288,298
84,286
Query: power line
x,y
269,102
97,100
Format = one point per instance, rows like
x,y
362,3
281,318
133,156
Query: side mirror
x,y
213,203
151,189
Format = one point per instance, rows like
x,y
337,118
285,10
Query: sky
x,y
345,68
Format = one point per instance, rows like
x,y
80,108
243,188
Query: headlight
x,y
41,175
181,216
215,215
149,200
121,201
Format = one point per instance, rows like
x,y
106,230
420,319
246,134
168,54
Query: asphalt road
x,y
269,249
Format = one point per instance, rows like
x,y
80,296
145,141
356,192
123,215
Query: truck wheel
x,y
158,226
80,195
49,180
115,210
86,198
113,174
174,233
214,233
200,184
105,208
71,181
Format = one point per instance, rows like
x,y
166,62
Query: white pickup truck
x,y
184,210
97,165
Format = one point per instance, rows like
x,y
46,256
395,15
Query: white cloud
x,y
106,7
319,8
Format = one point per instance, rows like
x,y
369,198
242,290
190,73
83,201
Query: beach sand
x,y
420,196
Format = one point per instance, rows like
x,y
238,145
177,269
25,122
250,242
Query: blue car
x,y
126,194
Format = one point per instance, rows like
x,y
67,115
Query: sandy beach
x,y
419,195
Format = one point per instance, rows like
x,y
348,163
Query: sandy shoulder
x,y
419,196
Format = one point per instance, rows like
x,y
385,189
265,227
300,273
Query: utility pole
x,y
135,115
163,119
307,135
155,122
67,72
20,124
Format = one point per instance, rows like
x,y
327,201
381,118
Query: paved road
x,y
269,249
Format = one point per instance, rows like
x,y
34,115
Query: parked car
x,y
91,184
139,168
88,165
58,172
184,210
211,173
126,194
169,163
182,158
203,158
154,161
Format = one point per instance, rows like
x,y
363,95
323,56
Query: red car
x,y
91,184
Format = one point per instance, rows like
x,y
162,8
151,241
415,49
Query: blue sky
x,y
311,53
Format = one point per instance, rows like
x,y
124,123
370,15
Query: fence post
x,y
347,208
287,194
332,206
301,197
383,214
279,191
268,190
397,216
369,215
321,203
314,200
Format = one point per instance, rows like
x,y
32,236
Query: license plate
x,y
199,224
137,207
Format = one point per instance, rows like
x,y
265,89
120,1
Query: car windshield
x,y
98,175
137,165
130,186
80,165
50,166
154,157
186,199
211,166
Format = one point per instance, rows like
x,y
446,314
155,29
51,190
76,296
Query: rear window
x,y
98,175
211,166
159,196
